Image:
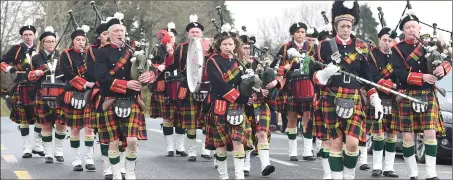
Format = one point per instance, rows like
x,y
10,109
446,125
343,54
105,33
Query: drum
x,y
201,94
172,84
27,93
196,62
301,88
51,91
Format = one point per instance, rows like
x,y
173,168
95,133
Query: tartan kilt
x,y
161,109
336,126
388,123
279,103
221,133
410,121
265,119
188,113
46,115
91,113
111,127
72,117
319,129
21,114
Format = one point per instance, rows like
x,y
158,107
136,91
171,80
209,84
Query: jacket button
x,y
124,77
418,62
122,68
113,64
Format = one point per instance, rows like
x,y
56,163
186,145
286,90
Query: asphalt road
x,y
152,164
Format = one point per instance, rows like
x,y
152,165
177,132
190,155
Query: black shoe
x,y
205,156
90,167
318,154
269,169
364,167
181,153
216,166
293,158
108,176
59,158
433,178
77,168
391,174
376,172
123,176
246,173
192,158
26,155
413,178
41,153
170,154
309,158
254,153
49,160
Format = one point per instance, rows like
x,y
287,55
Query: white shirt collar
x,y
299,45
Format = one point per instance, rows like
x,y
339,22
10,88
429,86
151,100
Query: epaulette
x,y
361,46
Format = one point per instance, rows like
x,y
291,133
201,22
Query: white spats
x,y
348,173
239,168
170,143
130,169
247,160
180,142
430,166
192,147
389,161
27,144
377,159
326,168
292,147
223,169
264,158
76,153
362,155
89,155
106,165
308,147
411,165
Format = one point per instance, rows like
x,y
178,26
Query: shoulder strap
x,y
333,45
284,53
17,53
374,59
120,63
69,59
216,65
181,47
401,55
90,49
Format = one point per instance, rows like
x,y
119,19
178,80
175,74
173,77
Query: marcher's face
x,y
245,49
195,32
79,42
344,29
411,29
385,43
299,35
311,41
103,37
172,37
48,43
227,46
28,36
117,33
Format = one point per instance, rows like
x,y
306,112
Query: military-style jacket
x,y
16,55
74,68
40,62
354,54
380,66
409,65
90,61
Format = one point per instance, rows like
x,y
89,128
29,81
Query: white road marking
x,y
283,162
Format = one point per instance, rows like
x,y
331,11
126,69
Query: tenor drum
x,y
51,91
196,53
301,88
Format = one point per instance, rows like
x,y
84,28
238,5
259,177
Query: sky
x,y
248,13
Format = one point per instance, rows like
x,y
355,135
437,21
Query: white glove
x,y
293,53
375,101
161,67
324,75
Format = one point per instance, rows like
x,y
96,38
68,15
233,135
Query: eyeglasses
x,y
49,42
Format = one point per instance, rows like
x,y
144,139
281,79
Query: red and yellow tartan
x,y
299,107
161,109
21,114
410,121
46,114
90,114
388,123
120,63
280,101
188,113
220,133
111,127
72,117
263,125
319,129
336,126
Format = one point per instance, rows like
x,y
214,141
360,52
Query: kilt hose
x,y
220,133
21,114
319,128
188,112
46,115
111,127
336,126
388,123
410,121
159,108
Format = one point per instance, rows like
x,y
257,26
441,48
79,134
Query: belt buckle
x,y
167,74
348,80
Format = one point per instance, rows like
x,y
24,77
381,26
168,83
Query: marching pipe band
x,y
340,87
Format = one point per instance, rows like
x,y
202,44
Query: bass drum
x,y
196,52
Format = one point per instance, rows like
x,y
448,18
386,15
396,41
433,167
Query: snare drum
x,y
301,88
201,94
172,84
51,91
27,93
